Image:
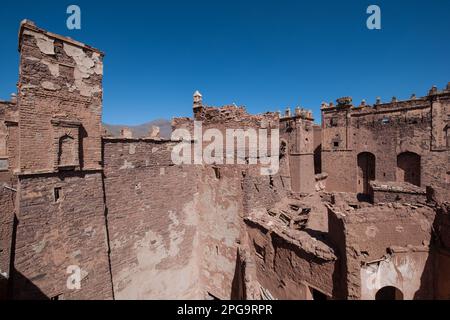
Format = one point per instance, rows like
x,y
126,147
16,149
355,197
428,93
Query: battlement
x,y
414,102
46,38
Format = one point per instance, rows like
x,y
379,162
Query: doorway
x,y
408,168
366,172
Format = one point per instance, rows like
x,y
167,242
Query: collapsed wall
x,y
385,245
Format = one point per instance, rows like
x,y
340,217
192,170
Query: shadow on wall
x,y
238,285
24,288
434,272
426,290
318,159
20,287
3,287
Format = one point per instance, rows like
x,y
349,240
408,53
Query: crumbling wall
x,y
186,223
395,233
289,264
407,270
152,221
60,213
60,85
8,135
59,229
220,210
386,130
399,192
7,210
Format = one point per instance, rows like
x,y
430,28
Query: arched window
x,y
67,152
366,171
389,293
408,168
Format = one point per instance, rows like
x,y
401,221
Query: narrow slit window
x,y
57,192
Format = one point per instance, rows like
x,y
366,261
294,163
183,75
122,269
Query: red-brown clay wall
x,y
54,234
59,80
185,223
285,270
7,201
368,236
386,131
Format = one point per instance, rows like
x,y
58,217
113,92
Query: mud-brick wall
x,y
287,270
152,222
368,235
173,229
385,131
53,234
442,264
7,201
59,79
220,207
341,169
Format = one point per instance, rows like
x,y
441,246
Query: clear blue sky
x,y
265,55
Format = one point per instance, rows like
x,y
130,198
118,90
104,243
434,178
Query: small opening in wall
x,y
217,172
333,122
57,192
336,144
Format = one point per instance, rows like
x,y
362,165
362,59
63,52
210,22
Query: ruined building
x,y
359,208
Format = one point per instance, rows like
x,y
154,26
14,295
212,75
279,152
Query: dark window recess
x,y
336,144
217,172
334,122
57,192
385,120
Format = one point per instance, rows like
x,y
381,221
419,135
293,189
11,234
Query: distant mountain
x,y
142,130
